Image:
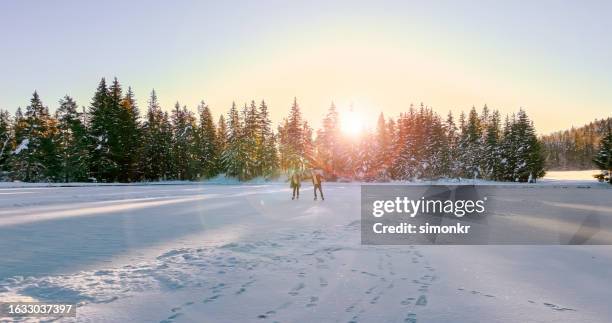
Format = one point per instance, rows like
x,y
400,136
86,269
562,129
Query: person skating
x,y
316,182
295,183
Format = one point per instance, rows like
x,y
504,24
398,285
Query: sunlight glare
x,y
352,123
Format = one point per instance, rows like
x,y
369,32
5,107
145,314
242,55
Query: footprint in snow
x,y
422,301
407,301
212,298
557,307
266,315
323,282
296,289
410,318
313,301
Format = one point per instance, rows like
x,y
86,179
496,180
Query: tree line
x,y
109,141
420,144
575,148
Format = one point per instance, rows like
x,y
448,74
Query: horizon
x,y
541,57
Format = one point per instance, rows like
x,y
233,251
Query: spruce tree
x,y
129,138
470,145
233,156
184,140
250,142
522,156
453,166
328,145
603,158
209,154
382,150
73,142
156,162
221,135
492,152
266,149
6,142
103,130
36,156
295,139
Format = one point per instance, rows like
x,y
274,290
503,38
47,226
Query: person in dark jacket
x,y
316,182
295,183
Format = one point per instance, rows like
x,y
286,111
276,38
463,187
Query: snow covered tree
x,y
6,141
73,142
406,165
453,164
156,158
183,149
382,148
366,165
36,156
470,146
521,153
283,145
307,145
129,138
250,141
233,156
266,148
329,146
103,130
221,137
603,158
208,152
293,147
492,151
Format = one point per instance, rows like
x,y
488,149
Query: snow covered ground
x,y
247,253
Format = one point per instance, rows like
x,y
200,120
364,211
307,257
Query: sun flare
x,y
352,123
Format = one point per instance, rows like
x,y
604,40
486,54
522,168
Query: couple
x,y
296,182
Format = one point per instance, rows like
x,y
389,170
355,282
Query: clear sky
x,y
554,58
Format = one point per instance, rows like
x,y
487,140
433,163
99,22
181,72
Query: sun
x,y
352,122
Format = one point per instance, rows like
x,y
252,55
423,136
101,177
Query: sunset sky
x,y
554,58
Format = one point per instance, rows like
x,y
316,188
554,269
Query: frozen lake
x,y
228,253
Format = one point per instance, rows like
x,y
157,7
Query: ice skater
x,y
295,183
316,182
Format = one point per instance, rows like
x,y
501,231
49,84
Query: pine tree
x,y
492,152
522,156
266,148
156,160
367,156
283,145
6,142
250,141
233,156
295,136
209,153
406,165
453,164
308,157
221,136
184,139
129,140
470,145
328,145
36,156
73,142
603,158
103,129
382,150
